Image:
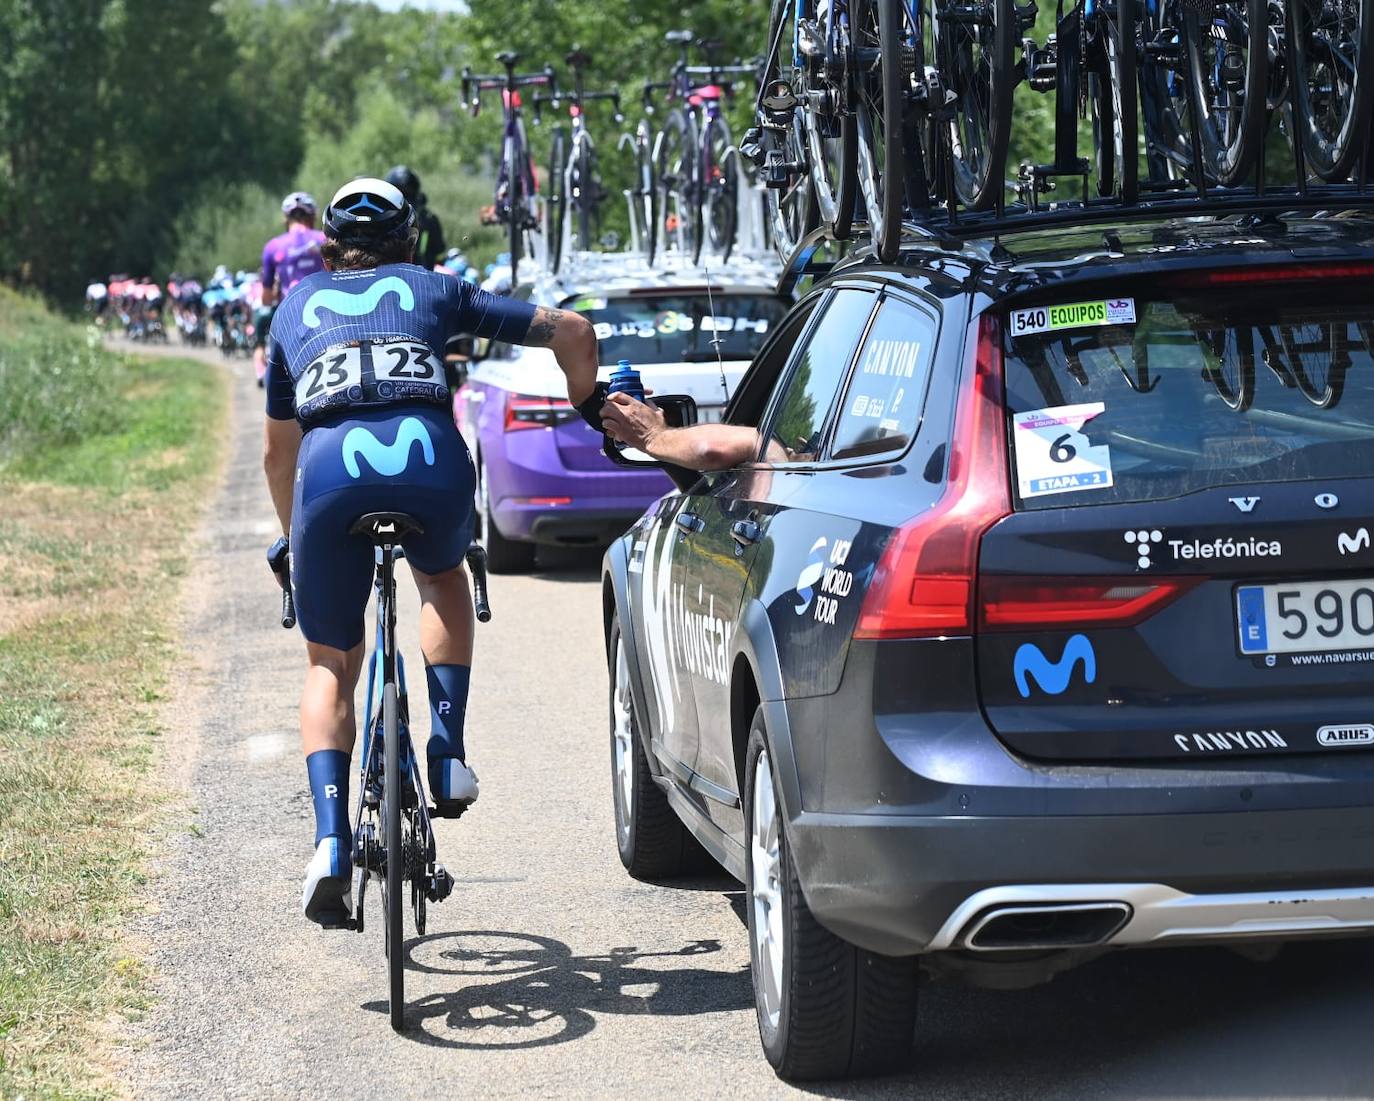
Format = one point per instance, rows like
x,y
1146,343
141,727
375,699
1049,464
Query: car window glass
x,y
808,392
751,396
882,405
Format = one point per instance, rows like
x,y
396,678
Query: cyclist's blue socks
x,y
448,705
328,769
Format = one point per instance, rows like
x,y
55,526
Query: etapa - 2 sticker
x,y
1073,315
1054,456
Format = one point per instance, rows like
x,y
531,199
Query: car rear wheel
x,y
652,841
503,555
825,1008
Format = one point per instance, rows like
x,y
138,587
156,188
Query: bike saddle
x,y
508,57
678,37
578,59
386,527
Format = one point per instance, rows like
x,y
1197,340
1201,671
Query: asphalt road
x,y
551,973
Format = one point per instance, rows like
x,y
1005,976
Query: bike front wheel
x,y
1228,63
720,190
558,199
679,208
395,856
973,49
1112,88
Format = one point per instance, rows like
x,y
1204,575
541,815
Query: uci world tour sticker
x,y
1054,456
1074,315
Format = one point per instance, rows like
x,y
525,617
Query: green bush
x,y
58,383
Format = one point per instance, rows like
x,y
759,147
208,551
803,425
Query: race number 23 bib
x,y
397,360
400,369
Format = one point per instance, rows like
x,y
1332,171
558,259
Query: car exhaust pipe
x,y
1045,926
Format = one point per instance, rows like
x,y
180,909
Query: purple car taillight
x,y
527,411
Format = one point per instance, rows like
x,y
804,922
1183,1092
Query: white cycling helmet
x,y
298,200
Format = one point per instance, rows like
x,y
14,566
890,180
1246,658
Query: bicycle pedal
x,y
448,810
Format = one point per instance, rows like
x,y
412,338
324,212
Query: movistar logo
x,y
355,305
1053,677
365,204
386,459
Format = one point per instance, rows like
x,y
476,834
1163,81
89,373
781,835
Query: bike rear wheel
x,y
880,103
1228,55
973,48
827,92
1330,43
584,194
558,197
676,171
395,856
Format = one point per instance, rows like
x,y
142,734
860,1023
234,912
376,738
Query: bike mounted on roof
x,y
879,118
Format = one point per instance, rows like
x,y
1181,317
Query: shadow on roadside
x,y
518,990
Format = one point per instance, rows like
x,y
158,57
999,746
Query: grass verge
x,y
99,498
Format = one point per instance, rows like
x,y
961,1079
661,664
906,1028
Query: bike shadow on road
x,y
518,990
1166,1024
568,564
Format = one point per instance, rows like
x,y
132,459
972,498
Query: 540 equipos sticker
x,y
1074,315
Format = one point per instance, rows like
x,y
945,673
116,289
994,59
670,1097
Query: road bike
x,y
573,177
393,837
695,168
870,109
514,202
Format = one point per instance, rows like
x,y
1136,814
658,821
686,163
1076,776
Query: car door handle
x,y
688,523
745,532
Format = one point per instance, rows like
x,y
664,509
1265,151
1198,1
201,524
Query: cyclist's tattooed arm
x,y
573,342
281,443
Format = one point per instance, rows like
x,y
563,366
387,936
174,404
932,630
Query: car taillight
x,y
925,581
524,411
1018,603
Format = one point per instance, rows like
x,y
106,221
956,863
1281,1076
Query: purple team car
x,y
541,474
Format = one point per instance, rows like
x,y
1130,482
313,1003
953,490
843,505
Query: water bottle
x,y
625,380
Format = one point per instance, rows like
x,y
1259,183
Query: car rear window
x,y
1154,392
680,328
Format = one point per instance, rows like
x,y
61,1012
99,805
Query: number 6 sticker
x,y
1053,455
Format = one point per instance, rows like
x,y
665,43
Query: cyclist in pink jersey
x,y
286,260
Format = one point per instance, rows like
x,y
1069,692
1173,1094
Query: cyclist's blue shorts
x,y
409,459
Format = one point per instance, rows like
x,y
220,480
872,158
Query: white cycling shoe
x,y
453,786
328,895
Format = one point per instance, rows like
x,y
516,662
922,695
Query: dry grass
x,y
84,648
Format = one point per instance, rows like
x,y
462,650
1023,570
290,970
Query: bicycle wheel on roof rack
x,y
880,102
973,42
1331,51
1111,46
557,202
1227,53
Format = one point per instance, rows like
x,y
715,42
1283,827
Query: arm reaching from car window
x,y
698,447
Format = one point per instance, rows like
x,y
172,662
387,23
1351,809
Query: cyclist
x,y
430,246
354,385
286,260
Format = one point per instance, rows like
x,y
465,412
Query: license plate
x,y
1305,617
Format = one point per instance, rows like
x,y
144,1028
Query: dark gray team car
x,y
1043,625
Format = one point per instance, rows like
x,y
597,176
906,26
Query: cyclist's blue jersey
x,y
350,341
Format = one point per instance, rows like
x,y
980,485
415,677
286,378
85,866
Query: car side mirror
x,y
679,411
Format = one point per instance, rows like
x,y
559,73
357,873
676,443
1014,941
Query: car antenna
x,y
715,335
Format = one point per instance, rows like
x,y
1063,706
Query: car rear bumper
x,y
925,809
901,885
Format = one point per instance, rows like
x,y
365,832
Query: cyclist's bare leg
x,y
327,720
446,616
446,629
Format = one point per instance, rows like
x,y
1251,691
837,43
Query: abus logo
x,y
1141,541
1353,544
1345,735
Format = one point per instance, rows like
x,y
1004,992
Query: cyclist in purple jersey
x,y
286,259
